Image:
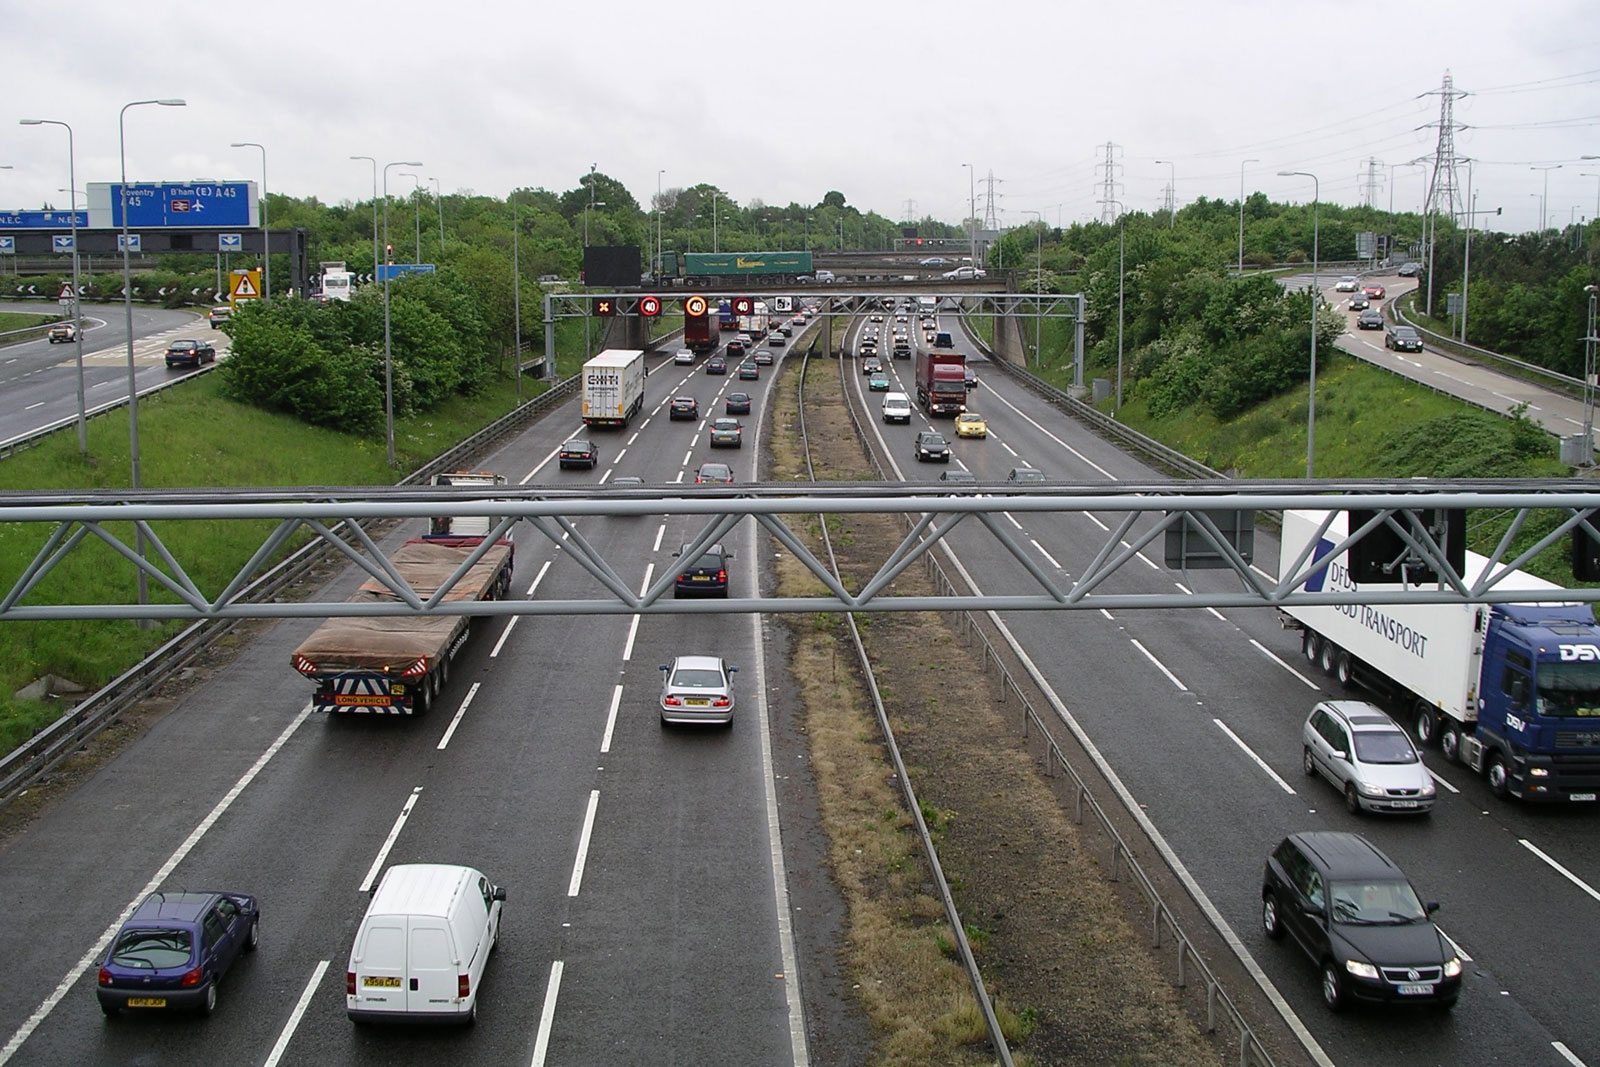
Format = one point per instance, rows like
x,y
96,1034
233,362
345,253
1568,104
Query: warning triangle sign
x,y
66,292
244,287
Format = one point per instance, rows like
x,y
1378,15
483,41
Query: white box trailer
x,y
613,387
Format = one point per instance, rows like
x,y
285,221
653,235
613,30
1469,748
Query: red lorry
x,y
942,382
701,333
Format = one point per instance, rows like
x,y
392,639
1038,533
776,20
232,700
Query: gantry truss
x,y
989,522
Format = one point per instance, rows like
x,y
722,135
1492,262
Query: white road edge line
x,y
1248,751
450,731
282,1044
1162,667
547,1015
388,842
1562,871
616,702
1567,1054
1274,657
177,857
583,843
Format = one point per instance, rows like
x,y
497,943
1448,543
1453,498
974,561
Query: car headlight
x,y
1452,967
1539,772
1361,970
1368,789
1427,788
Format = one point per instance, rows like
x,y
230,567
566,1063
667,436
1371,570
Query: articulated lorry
x,y
613,387
942,382
397,664
1510,690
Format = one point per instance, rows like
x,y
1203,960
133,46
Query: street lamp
x,y
438,202
516,298
77,287
1121,274
714,246
659,173
127,307
1038,285
388,356
1316,298
375,257
266,234
1545,196
1588,377
1241,213
1172,192
1587,174
416,208
972,210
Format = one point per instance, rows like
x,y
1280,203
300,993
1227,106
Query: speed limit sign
x,y
649,306
695,307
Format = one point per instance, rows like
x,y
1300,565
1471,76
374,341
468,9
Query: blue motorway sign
x,y
41,220
390,271
154,205
230,242
61,242
8,246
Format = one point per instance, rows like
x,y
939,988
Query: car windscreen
x,y
696,678
1383,746
1375,902
153,948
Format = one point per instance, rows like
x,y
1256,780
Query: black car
x,y
716,365
579,452
1402,339
930,446
738,404
683,407
749,371
1359,302
190,353
1370,319
958,474
972,377
706,576
735,350
1409,270
1357,917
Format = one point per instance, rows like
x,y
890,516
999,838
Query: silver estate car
x,y
697,689
1367,757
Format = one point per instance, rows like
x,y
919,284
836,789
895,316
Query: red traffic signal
x,y
743,305
605,306
649,306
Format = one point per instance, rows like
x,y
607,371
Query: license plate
x,y
1402,803
697,702
1416,989
374,981
700,577
147,1002
1583,796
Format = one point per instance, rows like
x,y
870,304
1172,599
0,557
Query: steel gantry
x,y
1135,516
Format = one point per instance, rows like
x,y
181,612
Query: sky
x,y
885,101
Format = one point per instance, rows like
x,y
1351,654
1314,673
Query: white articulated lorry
x,y
613,387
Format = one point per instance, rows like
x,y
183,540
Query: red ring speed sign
x,y
649,305
695,306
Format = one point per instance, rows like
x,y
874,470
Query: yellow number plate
x,y
373,981
147,1002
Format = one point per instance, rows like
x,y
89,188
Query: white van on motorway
x,y
422,946
896,407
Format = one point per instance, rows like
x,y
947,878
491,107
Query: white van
x,y
896,407
422,946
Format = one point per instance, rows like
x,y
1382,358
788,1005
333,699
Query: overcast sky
x,y
883,100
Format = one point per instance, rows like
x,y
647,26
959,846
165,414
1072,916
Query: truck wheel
x,y
1499,776
1450,744
1329,658
1427,724
1308,645
1344,670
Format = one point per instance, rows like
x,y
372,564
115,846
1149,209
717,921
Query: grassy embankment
x,y
192,436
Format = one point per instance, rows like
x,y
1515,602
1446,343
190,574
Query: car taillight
x,y
417,669
672,701
105,976
722,575
192,978
463,986
350,983
721,702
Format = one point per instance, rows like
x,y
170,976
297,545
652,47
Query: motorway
x,y
39,380
647,920
1200,712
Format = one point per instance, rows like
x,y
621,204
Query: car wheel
x,y
111,1011
253,941
1344,670
1427,725
1499,776
1270,923
1352,802
209,1005
1308,645
1450,744
1308,764
1333,994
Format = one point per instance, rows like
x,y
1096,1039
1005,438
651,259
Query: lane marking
x,y
1562,871
583,843
611,716
1248,751
1045,554
1162,667
1567,1054
89,958
289,1027
547,1015
1273,656
388,842
466,702
30,407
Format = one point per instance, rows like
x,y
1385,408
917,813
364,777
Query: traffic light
x,y
649,306
388,254
605,306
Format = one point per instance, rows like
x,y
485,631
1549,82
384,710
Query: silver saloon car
x,y
697,689
1368,758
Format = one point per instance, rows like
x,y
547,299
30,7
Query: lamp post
x,y
1587,174
375,255
416,208
438,202
77,287
1545,196
388,355
1316,298
127,307
841,233
1588,377
1121,274
972,210
1038,284
657,272
1172,191
1241,212
516,298
714,246
266,234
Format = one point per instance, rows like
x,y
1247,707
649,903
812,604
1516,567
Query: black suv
x,y
1357,916
706,576
931,445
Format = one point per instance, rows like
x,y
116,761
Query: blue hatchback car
x,y
174,949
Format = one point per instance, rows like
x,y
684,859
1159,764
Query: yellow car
x,y
971,425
